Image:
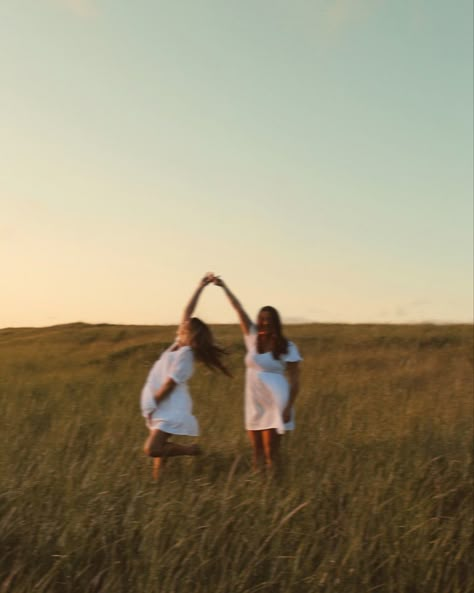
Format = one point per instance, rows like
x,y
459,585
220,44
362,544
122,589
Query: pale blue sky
x,y
316,154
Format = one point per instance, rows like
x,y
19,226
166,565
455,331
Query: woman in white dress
x,y
165,399
271,382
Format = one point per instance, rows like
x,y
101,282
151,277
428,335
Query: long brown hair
x,y
279,344
205,349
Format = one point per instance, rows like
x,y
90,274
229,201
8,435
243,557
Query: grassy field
x,y
377,494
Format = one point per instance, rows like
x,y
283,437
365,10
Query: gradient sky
x,y
316,154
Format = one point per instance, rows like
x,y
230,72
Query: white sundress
x,y
174,413
266,387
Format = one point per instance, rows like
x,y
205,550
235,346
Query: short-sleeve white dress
x,y
174,413
266,387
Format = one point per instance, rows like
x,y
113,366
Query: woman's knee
x,y
149,450
156,451
155,445
153,449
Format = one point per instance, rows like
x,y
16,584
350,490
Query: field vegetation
x,y
376,495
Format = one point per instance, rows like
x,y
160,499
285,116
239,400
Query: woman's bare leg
x,y
271,447
158,467
157,445
258,452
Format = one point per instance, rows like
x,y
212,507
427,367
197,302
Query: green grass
x,y
376,496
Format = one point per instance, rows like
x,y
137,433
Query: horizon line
x,y
106,323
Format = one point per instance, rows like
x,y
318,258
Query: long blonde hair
x,y
204,347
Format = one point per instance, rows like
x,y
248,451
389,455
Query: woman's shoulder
x,y
181,350
251,337
252,331
182,355
177,351
185,353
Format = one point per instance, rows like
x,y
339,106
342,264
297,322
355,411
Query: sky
x,y
315,154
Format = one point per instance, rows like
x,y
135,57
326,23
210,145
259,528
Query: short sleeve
x,y
292,355
250,339
183,366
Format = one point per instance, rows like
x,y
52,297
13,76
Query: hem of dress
x,y
174,431
279,429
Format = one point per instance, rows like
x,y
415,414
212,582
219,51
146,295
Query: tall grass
x,y
376,494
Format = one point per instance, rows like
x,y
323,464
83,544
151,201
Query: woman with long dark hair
x,y
165,399
271,383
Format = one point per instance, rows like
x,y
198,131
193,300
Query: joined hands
x,y
209,278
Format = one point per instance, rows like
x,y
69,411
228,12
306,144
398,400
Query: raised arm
x,y
245,321
189,309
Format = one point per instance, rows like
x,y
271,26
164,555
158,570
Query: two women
x,y
269,394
